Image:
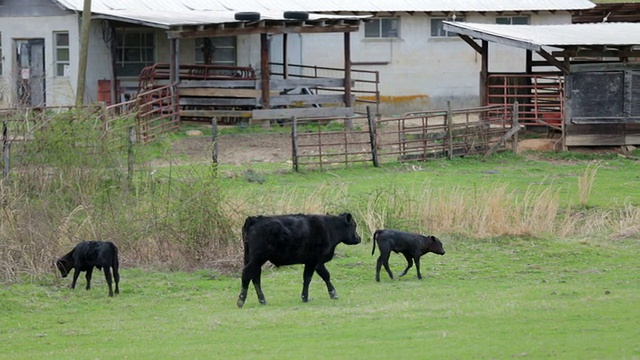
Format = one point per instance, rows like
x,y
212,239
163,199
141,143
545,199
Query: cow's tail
x,y
250,220
115,264
375,237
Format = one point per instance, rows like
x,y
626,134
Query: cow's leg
x,y
417,258
76,273
256,284
409,265
116,278
107,276
324,274
306,280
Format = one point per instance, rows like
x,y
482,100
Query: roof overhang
x,y
184,24
566,36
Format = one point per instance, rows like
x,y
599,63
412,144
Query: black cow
x,y
411,245
293,239
87,255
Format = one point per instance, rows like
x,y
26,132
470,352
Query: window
x,y
134,51
381,28
512,20
61,53
223,50
436,27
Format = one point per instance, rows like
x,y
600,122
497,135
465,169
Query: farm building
x,y
592,96
402,57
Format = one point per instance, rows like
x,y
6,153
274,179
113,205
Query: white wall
x,y
59,90
417,71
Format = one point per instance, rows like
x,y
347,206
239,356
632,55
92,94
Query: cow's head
x,y
351,235
435,245
64,265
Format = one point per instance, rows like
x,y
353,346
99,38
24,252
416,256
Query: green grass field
x,y
493,299
494,295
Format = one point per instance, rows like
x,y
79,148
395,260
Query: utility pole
x,y
84,52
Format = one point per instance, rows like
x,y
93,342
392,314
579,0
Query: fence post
x,y
294,142
214,141
6,148
516,124
130,140
450,129
372,137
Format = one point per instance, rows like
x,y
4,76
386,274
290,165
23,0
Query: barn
x,y
582,79
402,58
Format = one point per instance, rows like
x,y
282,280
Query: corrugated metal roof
x,y
332,5
533,37
167,19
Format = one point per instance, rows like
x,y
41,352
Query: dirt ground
x,y
276,147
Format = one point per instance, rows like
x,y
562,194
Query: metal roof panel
x,y
333,5
535,36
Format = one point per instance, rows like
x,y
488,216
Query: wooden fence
x,y
415,136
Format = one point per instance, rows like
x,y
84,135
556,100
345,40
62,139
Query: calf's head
x,y
65,265
351,236
435,245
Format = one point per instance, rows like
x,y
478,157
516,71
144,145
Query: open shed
x,y
600,94
212,91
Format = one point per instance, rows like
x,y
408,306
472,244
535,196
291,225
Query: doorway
x,y
30,72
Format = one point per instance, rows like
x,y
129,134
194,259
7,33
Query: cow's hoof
x,y
304,299
240,303
263,301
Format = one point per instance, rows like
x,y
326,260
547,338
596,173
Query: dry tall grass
x,y
69,193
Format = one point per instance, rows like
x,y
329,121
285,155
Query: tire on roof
x,y
247,16
297,15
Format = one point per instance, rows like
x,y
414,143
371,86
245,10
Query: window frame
x,y
447,35
58,63
380,27
130,68
511,19
199,55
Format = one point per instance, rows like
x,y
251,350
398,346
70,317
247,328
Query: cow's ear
x,y
348,217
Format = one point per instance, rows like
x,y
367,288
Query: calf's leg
x,y
324,274
248,273
256,284
383,259
76,273
409,265
88,277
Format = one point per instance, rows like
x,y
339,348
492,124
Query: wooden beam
x,y
484,72
217,92
553,61
253,30
471,43
285,56
264,69
302,113
347,69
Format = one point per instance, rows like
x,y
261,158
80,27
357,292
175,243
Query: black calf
x,y
87,255
411,245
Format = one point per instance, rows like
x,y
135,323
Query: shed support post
x,y
347,77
